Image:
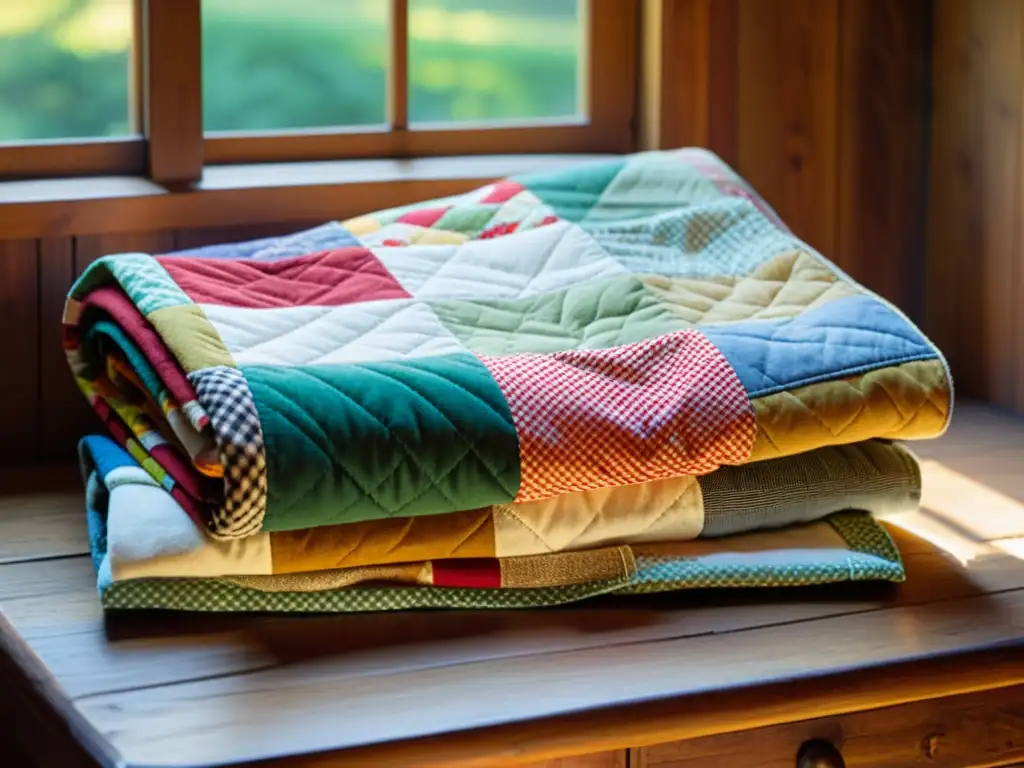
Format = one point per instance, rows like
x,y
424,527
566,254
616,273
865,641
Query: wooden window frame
x,y
166,103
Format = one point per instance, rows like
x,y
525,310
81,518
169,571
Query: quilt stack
x,y
623,377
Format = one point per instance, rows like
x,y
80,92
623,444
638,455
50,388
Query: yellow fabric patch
x,y
375,542
904,402
784,286
425,236
567,568
361,225
190,337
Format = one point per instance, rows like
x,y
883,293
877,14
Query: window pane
x,y
290,64
475,60
64,68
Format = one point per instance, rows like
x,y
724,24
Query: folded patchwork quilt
x,y
800,520
509,355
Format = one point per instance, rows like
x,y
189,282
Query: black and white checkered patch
x,y
224,394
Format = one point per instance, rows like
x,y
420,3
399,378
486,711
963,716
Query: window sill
x,y
250,194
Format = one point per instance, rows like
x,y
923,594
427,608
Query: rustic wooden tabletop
x,y
459,689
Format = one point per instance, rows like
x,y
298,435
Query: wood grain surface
x,y
514,688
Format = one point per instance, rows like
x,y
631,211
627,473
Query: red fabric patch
x,y
503,191
115,303
499,230
423,217
475,573
330,278
547,220
587,419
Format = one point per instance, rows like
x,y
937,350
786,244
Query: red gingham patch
x,y
587,419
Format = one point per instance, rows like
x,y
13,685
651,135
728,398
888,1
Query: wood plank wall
x,y
832,129
975,278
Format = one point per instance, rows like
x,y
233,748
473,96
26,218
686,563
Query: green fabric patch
x,y
191,337
467,219
594,315
143,279
351,442
650,184
212,595
574,191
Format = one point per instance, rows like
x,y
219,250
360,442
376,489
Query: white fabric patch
x,y
149,534
353,333
664,510
815,544
539,260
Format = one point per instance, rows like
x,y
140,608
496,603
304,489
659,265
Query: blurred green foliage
x,y
270,64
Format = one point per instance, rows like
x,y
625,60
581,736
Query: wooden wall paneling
x,y
787,111
19,323
60,399
688,93
974,238
883,140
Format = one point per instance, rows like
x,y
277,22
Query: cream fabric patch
x,y
149,534
671,509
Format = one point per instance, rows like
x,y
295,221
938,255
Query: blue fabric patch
x,y
102,455
323,238
842,338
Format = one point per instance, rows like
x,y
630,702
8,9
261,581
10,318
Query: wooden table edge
x,y
37,706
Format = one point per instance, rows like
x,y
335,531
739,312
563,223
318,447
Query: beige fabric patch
x,y
784,286
567,568
663,510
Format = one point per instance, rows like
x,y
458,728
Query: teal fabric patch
x,y
572,192
103,334
143,279
650,184
593,315
725,237
872,557
351,442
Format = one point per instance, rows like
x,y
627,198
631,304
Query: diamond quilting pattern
x,y
590,419
363,332
224,394
544,259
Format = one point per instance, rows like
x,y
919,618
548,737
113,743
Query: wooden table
x,y
930,672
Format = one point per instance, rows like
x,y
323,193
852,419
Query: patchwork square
x,y
331,278
544,259
591,419
316,335
591,315
225,396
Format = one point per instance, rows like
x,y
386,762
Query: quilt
x,y
785,522
642,321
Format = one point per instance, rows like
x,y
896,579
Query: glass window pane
x,y
482,60
64,68
291,64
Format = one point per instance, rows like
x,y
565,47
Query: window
x,y
116,85
67,72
